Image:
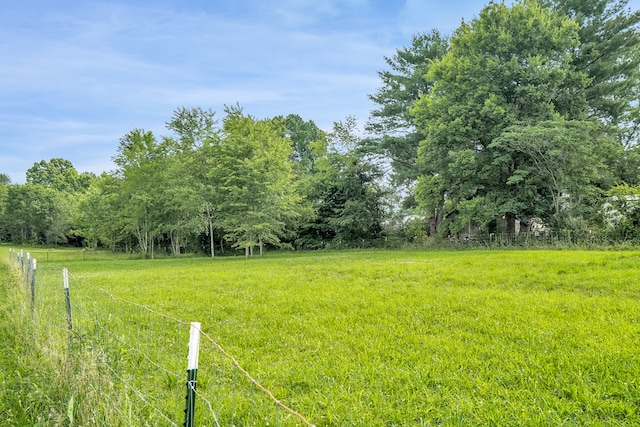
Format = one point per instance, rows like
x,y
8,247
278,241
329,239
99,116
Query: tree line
x,y
210,185
527,113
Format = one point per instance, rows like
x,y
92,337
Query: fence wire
x,y
144,351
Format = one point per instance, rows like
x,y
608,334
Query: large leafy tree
x,y
36,214
58,174
309,146
141,160
257,190
99,213
196,134
116,230
345,192
395,136
188,200
562,168
179,206
510,66
609,54
307,139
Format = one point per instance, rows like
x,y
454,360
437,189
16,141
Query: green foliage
x,y
396,137
561,162
140,160
4,194
193,126
345,192
58,174
97,216
256,180
4,179
198,134
35,214
308,141
608,53
41,210
621,212
510,66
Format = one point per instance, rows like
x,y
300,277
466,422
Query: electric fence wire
x,y
134,349
234,361
148,400
135,304
255,382
209,405
44,287
138,393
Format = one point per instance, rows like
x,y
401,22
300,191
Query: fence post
x,y
67,296
192,374
32,268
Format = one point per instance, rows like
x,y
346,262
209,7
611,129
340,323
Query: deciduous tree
x,y
559,165
255,178
197,134
395,136
58,174
510,66
140,159
346,193
36,214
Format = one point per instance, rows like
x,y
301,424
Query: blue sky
x,y
75,76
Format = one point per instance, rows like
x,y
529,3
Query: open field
x,y
370,338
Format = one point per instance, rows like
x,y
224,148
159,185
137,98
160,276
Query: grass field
x,y
362,338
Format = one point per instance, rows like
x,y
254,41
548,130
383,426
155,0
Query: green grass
x,y
368,338
33,379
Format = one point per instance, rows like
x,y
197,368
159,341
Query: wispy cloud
x,y
74,79
76,76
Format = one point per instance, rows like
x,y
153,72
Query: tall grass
x,y
32,372
365,338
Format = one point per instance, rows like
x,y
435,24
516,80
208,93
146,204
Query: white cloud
x,y
74,79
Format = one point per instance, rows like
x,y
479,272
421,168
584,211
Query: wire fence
x,y
140,357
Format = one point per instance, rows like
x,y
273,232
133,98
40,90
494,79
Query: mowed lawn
x,y
377,338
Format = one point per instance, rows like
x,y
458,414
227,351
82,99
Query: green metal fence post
x,y
192,374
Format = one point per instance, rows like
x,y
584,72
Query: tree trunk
x,y
557,198
212,242
213,250
175,243
511,225
432,226
142,233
